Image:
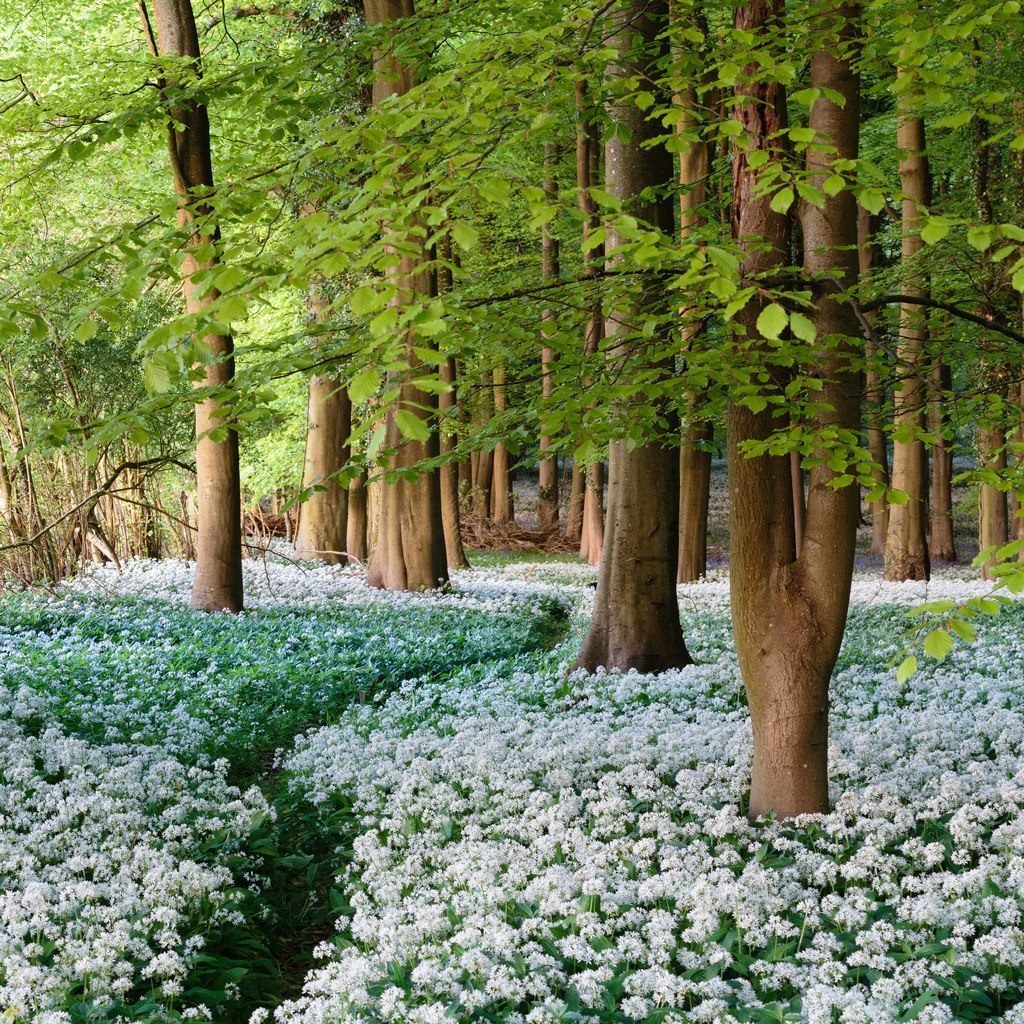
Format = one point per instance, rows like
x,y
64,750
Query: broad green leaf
x,y
772,321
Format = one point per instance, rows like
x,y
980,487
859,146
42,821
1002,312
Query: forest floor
x,y
402,808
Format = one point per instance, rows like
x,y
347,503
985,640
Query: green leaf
x,y
410,425
365,300
938,643
782,200
772,321
363,386
935,230
906,669
802,327
466,235
86,330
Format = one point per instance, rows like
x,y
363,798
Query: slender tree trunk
x,y
941,545
574,509
483,461
410,552
447,403
695,453
789,604
906,549
501,485
694,498
588,166
547,485
450,479
636,614
323,517
218,581
357,536
874,396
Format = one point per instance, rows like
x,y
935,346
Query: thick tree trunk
x,y
789,605
410,551
547,485
636,614
941,545
323,517
906,549
218,581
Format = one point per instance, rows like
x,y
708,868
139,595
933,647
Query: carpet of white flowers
x,y
508,843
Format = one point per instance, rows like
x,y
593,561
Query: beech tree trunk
x,y
450,480
694,454
694,498
636,614
874,396
357,535
410,550
547,484
501,484
906,549
789,605
574,509
323,516
993,517
588,165
218,581
941,545
450,512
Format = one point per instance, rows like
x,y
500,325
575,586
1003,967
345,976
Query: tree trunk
x,y
694,498
906,549
450,479
993,519
574,509
636,614
323,517
789,604
218,581
694,455
941,545
592,536
447,402
547,484
874,396
357,536
410,552
501,483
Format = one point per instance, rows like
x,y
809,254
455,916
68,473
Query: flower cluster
x,y
538,849
107,876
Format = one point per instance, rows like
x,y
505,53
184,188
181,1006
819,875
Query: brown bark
x,y
410,550
588,166
635,624
694,498
501,483
574,509
218,581
993,518
450,479
694,455
547,484
446,403
874,396
323,517
592,532
906,549
941,545
789,604
357,535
